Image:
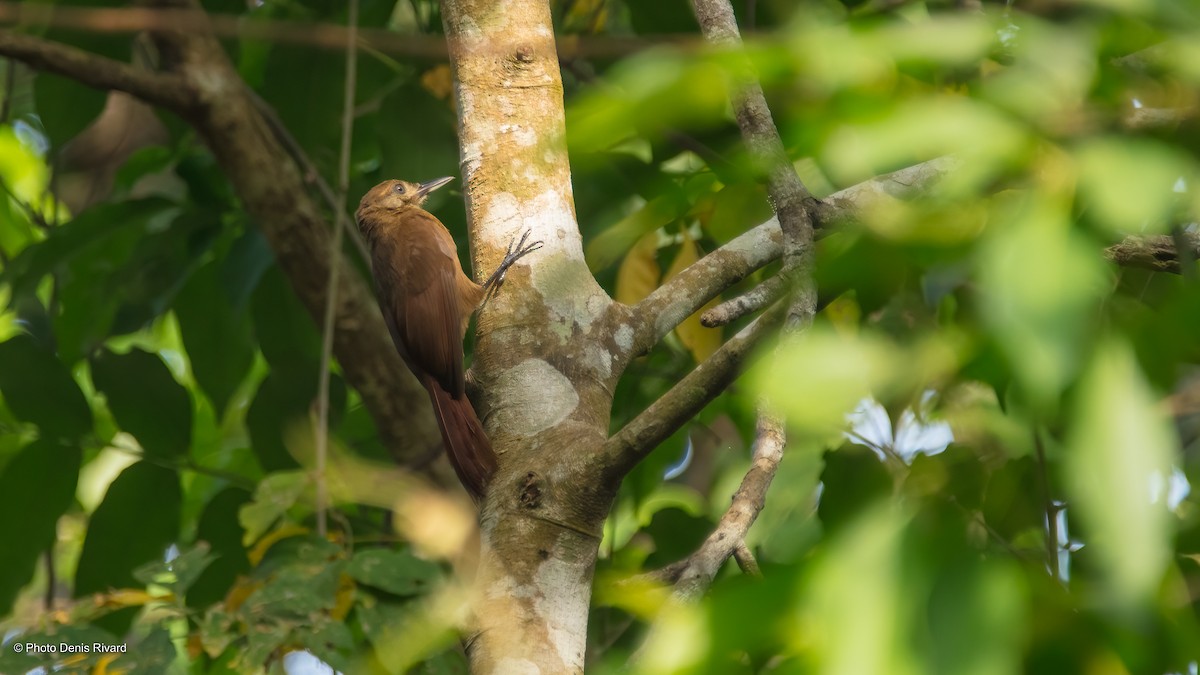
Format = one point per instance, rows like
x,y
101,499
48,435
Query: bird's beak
x,y
429,186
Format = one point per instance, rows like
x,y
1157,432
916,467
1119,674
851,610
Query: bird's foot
x,y
517,249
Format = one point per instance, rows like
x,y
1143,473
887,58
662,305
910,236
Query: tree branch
x,y
751,301
793,204
167,90
679,298
673,409
277,198
318,35
730,533
1157,253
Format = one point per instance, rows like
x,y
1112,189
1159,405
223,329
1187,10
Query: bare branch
x,y
318,35
793,204
753,300
335,260
169,91
673,409
746,560
686,292
1157,253
748,501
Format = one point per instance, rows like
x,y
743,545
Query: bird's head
x,y
400,194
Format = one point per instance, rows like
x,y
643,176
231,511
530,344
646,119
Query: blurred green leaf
x,y
37,388
618,240
1121,451
146,400
145,497
273,497
924,128
416,135
855,613
180,572
220,529
397,572
818,377
1041,280
38,483
218,336
1134,186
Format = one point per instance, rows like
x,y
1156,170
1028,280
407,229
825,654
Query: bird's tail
x,y
467,446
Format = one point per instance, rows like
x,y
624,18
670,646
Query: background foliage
x,y
157,374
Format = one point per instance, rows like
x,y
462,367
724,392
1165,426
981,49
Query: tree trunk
x,y
543,361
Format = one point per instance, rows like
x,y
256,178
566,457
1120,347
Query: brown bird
x,y
427,301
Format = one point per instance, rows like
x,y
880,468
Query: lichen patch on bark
x,y
537,397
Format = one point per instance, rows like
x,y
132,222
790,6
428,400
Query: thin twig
x,y
309,170
51,579
10,69
753,300
335,259
746,560
689,396
1048,507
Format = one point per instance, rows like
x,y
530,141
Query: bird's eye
x,y
399,188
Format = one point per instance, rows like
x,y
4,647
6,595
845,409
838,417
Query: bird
x,y
427,301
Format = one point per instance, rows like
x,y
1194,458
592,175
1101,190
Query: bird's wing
x,y
415,273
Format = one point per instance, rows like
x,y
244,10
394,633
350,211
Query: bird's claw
x,y
517,249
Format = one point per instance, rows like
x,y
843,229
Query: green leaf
x,y
181,572
217,336
145,400
244,266
737,208
278,405
65,107
38,483
37,388
617,240
315,124
399,573
854,480
145,499
85,232
152,655
1041,281
286,333
1121,450
416,135
220,529
295,592
331,641
274,495
1134,186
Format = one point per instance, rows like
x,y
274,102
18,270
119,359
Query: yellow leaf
x,y
343,598
125,597
844,314
102,666
639,272
700,341
260,549
438,81
243,588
